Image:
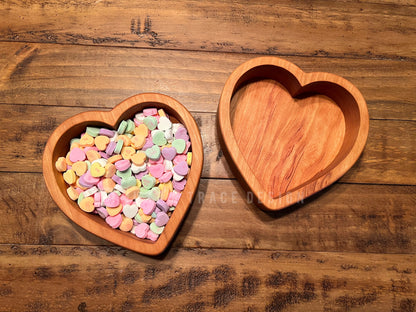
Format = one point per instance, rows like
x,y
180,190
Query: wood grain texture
x,y
345,217
365,29
289,133
50,74
390,142
67,278
57,146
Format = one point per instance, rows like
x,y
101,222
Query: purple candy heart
x,y
110,148
161,219
107,132
148,144
162,205
169,153
140,175
179,185
181,168
181,133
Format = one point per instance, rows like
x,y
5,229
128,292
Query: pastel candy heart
x,y
128,182
112,200
181,168
161,219
150,111
114,221
148,182
179,158
154,193
141,174
181,133
130,211
153,152
165,177
169,153
148,144
150,122
158,138
169,134
141,230
123,165
156,229
144,193
77,154
148,206
179,185
179,145
156,170
161,204
164,123
97,170
124,174
89,179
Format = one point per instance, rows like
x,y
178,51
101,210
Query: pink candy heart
x,y
156,170
148,206
165,177
123,165
112,200
77,154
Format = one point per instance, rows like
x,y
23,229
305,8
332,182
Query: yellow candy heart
x,y
97,170
101,142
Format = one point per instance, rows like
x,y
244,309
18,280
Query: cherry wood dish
x,y
58,145
289,133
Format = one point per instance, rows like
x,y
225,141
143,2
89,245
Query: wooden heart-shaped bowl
x,y
58,145
289,133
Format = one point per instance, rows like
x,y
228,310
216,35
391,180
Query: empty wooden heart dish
x,y
59,143
289,133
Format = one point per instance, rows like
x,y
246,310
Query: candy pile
x,y
132,177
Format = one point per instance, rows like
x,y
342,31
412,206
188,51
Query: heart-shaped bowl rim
x,y
296,82
58,145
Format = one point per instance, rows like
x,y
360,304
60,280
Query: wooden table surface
x,y
349,248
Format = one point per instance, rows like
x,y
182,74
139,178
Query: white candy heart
x,y
164,123
101,161
130,211
136,169
177,177
168,164
139,117
176,126
169,135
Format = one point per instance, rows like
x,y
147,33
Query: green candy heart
x,y
130,126
128,182
150,122
179,145
122,127
93,131
156,229
154,193
144,193
148,182
153,152
138,218
124,174
158,138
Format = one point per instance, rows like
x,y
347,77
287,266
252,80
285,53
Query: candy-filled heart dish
x,y
290,134
128,175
